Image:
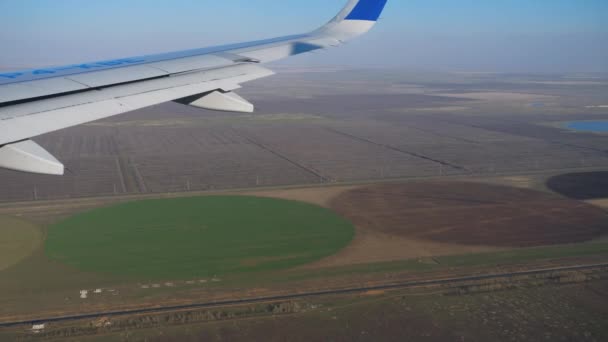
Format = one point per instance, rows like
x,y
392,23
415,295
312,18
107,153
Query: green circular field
x,y
198,237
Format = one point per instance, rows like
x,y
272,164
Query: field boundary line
x,y
287,159
396,149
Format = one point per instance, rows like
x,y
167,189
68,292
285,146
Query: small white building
x,y
36,328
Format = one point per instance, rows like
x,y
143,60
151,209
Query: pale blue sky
x,y
479,35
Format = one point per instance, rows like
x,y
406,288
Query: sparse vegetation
x,y
517,308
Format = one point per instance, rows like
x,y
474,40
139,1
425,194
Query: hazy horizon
x,y
518,36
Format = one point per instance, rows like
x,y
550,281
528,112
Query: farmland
x,y
473,214
342,178
218,246
477,317
18,239
197,237
582,186
517,308
489,317
327,127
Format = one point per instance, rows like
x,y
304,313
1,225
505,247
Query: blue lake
x,y
588,126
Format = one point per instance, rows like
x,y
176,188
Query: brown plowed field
x,y
471,214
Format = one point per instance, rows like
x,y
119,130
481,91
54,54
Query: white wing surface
x,y
39,101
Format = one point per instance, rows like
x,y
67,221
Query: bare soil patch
x,y
371,246
602,203
519,181
321,196
466,213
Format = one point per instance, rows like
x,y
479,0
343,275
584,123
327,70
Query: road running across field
x,y
256,300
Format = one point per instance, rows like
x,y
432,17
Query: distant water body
x,y
588,126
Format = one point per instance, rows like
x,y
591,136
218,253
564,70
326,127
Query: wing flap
x,y
117,76
219,101
33,123
34,89
27,156
126,90
191,63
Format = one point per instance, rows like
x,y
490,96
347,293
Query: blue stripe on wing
x,y
367,10
76,69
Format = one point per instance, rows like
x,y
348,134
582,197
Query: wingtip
x,y
356,18
369,10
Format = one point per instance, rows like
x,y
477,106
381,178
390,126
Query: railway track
x,y
254,300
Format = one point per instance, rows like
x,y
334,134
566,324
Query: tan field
x,y
18,239
602,203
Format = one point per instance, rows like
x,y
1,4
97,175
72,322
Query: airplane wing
x,y
39,101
